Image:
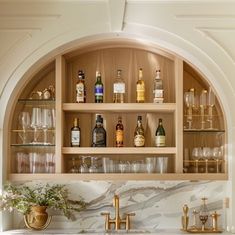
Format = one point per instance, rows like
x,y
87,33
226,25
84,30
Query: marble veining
x,y
157,204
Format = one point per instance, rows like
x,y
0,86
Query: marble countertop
x,y
99,232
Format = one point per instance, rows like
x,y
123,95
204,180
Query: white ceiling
x,y
199,30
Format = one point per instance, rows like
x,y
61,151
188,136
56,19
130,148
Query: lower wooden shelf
x,y
116,177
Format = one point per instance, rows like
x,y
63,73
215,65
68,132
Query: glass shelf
x,y
33,145
204,130
30,130
37,101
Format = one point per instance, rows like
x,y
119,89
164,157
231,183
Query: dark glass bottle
x,y
139,138
99,88
160,136
119,133
75,133
99,133
81,88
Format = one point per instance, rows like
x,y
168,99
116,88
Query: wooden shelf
x,y
113,107
114,150
117,177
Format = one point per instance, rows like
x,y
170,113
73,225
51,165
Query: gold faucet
x,y
117,221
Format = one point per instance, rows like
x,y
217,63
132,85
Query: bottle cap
x,y
139,118
99,119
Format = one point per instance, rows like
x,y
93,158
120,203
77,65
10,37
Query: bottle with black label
x,y
80,88
75,133
139,138
99,133
160,136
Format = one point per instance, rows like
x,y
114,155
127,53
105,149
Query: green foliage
x,y
22,197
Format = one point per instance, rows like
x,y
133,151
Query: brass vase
x,y
37,218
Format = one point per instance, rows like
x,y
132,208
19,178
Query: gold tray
x,y
193,230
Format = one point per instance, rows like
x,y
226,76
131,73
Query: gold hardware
x,y
215,221
117,221
185,218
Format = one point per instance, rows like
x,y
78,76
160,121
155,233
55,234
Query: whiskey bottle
x,y
99,133
140,88
99,88
158,88
75,134
160,136
80,88
139,138
119,133
119,88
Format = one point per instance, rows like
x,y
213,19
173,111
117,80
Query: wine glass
x,y
189,100
36,123
211,104
24,120
203,213
93,167
83,166
203,103
46,123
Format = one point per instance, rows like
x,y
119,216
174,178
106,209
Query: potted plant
x,y
33,201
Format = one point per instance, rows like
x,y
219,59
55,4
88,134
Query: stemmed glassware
x,y
189,101
203,213
211,104
46,123
36,123
24,120
203,103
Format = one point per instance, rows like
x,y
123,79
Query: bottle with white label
x,y
160,136
119,88
75,134
80,88
158,88
139,138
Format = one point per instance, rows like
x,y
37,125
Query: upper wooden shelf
x,y
124,107
114,150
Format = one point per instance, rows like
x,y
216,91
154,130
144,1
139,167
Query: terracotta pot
x,y
38,218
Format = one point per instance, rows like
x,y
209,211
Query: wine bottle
x,y
119,133
140,88
99,88
75,134
119,88
80,88
160,136
99,133
158,88
139,138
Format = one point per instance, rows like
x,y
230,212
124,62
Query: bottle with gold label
x,y
119,133
139,138
160,136
80,88
75,134
140,88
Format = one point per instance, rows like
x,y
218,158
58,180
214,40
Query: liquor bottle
x,y
119,88
80,88
99,88
140,88
119,133
139,138
158,88
75,134
160,136
99,133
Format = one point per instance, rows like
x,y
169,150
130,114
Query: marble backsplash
x,y
157,204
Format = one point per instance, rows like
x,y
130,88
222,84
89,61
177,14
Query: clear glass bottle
x,y
140,88
75,133
99,133
158,88
119,133
119,88
139,137
80,88
99,88
160,136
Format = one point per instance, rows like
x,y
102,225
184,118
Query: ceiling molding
x,y
30,16
204,16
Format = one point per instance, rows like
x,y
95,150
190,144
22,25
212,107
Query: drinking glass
x,y
36,123
34,162
150,164
50,163
22,161
83,166
124,167
24,121
93,167
189,101
106,165
203,104
74,168
46,123
136,166
211,104
162,165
